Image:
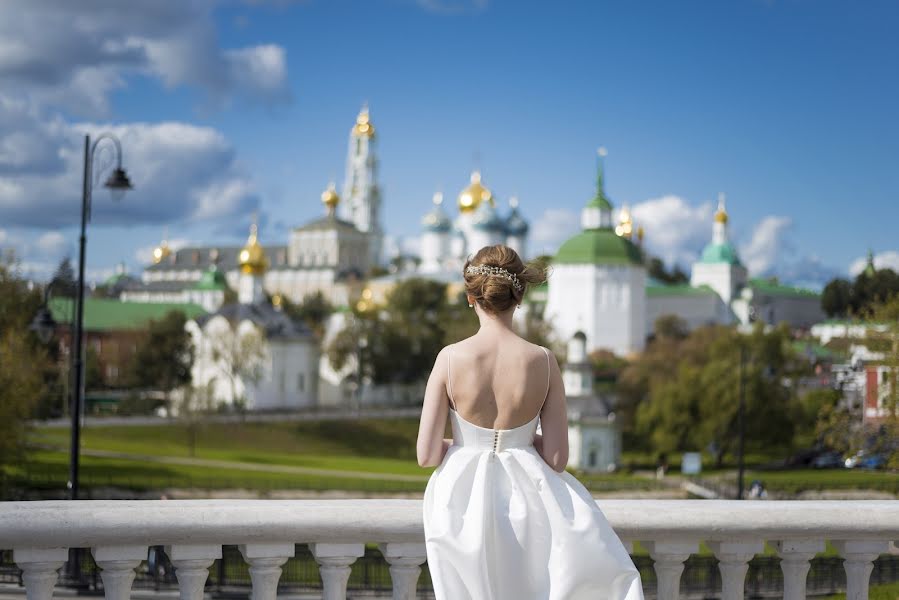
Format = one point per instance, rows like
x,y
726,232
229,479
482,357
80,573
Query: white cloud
x,y
882,260
674,230
552,228
768,245
64,54
179,171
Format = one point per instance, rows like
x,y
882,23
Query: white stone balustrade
x,y
266,531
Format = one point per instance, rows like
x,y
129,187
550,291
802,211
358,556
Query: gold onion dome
x,y
721,213
330,197
625,225
363,126
472,196
161,252
252,258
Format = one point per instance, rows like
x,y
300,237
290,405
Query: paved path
x,y
245,466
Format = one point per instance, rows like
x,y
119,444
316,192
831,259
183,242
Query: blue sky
x,y
229,107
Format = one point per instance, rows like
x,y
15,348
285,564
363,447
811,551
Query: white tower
x,y
435,238
598,284
253,265
362,197
720,267
578,372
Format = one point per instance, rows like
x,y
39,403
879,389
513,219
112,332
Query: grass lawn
x,y
886,591
382,446
798,480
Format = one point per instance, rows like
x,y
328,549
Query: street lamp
x,y
117,183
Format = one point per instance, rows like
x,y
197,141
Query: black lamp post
x,y
118,183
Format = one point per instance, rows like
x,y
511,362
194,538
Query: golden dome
x,y
721,214
625,225
161,252
252,258
472,196
363,126
330,197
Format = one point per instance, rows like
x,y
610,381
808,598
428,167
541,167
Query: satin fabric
x,y
500,524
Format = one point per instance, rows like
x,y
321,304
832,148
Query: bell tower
x,y
361,195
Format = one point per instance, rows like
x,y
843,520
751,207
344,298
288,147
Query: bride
x,y
503,519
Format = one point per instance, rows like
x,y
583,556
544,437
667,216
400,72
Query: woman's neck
x,y
496,323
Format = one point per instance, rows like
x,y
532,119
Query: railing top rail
x,y
90,523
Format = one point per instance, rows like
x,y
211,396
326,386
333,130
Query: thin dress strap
x,y
548,370
449,377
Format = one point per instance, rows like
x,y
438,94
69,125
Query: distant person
x,y
503,519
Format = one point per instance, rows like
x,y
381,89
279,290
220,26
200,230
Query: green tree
x,y
871,289
24,365
671,326
835,298
684,393
398,342
164,356
314,311
63,280
656,269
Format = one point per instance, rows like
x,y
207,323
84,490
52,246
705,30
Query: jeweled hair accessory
x,y
491,270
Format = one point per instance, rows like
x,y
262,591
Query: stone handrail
x,y
266,531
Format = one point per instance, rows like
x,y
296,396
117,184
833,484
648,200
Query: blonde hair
x,y
496,293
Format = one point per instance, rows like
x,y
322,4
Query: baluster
x,y
118,564
265,562
192,564
669,560
795,556
334,562
733,563
40,568
405,560
858,562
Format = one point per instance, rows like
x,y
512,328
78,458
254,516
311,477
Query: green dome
x,y
720,253
598,247
212,279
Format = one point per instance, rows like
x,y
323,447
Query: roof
x,y
485,218
680,290
212,279
515,223
327,222
275,323
105,314
720,253
596,247
203,257
770,288
436,220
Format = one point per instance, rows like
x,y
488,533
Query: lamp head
x,y
118,183
43,324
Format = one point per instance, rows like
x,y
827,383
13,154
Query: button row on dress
x,y
495,440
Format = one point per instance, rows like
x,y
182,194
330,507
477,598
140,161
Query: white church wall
x,y
695,310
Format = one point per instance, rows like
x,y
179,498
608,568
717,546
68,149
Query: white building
x,y
330,255
251,351
594,439
598,283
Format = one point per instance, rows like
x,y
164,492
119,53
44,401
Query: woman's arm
x,y
552,444
431,445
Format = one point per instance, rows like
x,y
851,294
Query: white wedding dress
x,y
501,524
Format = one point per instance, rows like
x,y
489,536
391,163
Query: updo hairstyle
x,y
497,293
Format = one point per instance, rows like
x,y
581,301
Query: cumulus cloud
x,y
552,228
882,260
180,172
675,230
66,54
767,245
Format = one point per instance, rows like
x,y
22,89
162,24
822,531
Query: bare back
x,y
497,382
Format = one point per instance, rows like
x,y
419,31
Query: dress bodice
x,y
469,435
